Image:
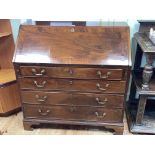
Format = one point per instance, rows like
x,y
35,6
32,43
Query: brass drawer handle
x,y
41,99
101,102
72,109
70,82
100,116
103,76
42,85
44,113
42,72
100,88
70,71
72,30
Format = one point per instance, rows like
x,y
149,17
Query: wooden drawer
x,y
64,98
73,85
81,113
72,72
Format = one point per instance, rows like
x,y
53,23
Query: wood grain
x,y
72,72
73,60
4,34
9,93
5,27
7,75
72,113
9,98
6,44
68,98
73,45
72,85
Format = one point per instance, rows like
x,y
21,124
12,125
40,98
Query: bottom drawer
x,y
80,113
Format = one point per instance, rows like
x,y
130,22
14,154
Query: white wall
x,y
15,23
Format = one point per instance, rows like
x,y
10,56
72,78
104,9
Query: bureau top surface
x,y
73,45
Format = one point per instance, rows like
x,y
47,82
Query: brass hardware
x,y
100,88
103,76
100,116
42,72
70,71
39,99
101,102
72,108
77,30
72,30
70,82
40,85
44,113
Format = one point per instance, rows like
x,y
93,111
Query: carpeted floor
x,y
13,125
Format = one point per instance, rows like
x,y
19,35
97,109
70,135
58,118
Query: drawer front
x,y
79,99
72,72
73,113
73,85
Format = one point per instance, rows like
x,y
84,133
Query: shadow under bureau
x,y
73,75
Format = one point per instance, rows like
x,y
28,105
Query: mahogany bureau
x,y
73,75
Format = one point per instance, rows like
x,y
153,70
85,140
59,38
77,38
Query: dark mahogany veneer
x,y
73,75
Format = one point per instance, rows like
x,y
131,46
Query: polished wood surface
x,y
6,76
73,75
73,45
67,98
72,113
9,98
6,52
72,72
6,44
9,93
72,85
5,27
4,34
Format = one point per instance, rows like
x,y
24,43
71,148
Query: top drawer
x,y
72,72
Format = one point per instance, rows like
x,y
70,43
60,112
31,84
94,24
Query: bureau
x,y
73,75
